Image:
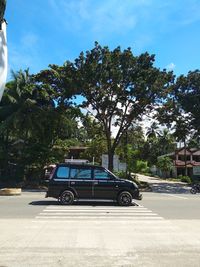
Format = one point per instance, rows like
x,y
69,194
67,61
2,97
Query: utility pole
x,y
185,157
3,49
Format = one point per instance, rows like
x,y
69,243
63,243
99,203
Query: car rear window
x,y
62,172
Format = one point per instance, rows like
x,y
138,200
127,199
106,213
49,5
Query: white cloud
x,y
170,66
29,40
99,17
24,53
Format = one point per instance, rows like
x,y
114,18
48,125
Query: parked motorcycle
x,y
195,189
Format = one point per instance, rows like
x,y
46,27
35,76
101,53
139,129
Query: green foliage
x,y
153,131
159,145
61,81
39,120
33,130
141,166
182,107
129,148
95,149
185,179
164,164
120,88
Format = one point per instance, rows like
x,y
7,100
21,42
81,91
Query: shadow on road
x,y
170,188
78,203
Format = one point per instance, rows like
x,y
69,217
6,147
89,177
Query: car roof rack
x,y
77,161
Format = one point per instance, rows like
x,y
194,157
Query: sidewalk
x,y
159,185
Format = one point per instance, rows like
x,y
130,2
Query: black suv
x,y
76,181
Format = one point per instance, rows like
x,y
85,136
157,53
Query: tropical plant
x,y
153,131
165,165
33,128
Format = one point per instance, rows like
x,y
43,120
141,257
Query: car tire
x,y
124,198
66,198
193,191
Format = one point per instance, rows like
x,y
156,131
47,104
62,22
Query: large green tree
x,y
182,108
120,88
187,95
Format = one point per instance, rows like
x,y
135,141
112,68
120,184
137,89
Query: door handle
x,y
95,183
72,182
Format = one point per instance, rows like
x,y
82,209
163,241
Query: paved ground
x,y
164,186
164,230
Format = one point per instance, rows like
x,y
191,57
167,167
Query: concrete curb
x,y
10,191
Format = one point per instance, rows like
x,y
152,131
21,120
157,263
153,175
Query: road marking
x,y
174,196
114,213
99,214
97,217
92,211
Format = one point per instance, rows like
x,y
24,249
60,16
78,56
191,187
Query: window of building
x,y
196,158
184,157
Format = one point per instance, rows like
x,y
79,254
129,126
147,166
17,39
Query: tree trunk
x,y
110,160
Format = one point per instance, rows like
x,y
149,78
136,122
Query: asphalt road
x,y
163,230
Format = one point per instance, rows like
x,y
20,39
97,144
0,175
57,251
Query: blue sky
x,y
43,32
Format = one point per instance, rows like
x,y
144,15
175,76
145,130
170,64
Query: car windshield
x,y
112,174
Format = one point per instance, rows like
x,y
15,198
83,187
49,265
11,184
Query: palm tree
x,y
21,115
19,108
166,142
153,131
165,165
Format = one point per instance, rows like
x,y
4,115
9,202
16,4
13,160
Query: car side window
x,y
101,174
81,173
62,172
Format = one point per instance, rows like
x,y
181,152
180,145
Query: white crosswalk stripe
x,y
76,212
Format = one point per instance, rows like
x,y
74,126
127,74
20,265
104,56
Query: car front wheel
x,y
66,198
124,198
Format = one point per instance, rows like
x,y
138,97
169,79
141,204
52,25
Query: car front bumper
x,y
138,195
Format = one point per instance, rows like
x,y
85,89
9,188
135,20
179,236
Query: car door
x,y
104,184
81,181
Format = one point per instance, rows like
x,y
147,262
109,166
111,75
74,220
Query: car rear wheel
x,y
124,198
66,198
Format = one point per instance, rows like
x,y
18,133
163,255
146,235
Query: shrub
x,y
141,166
185,179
